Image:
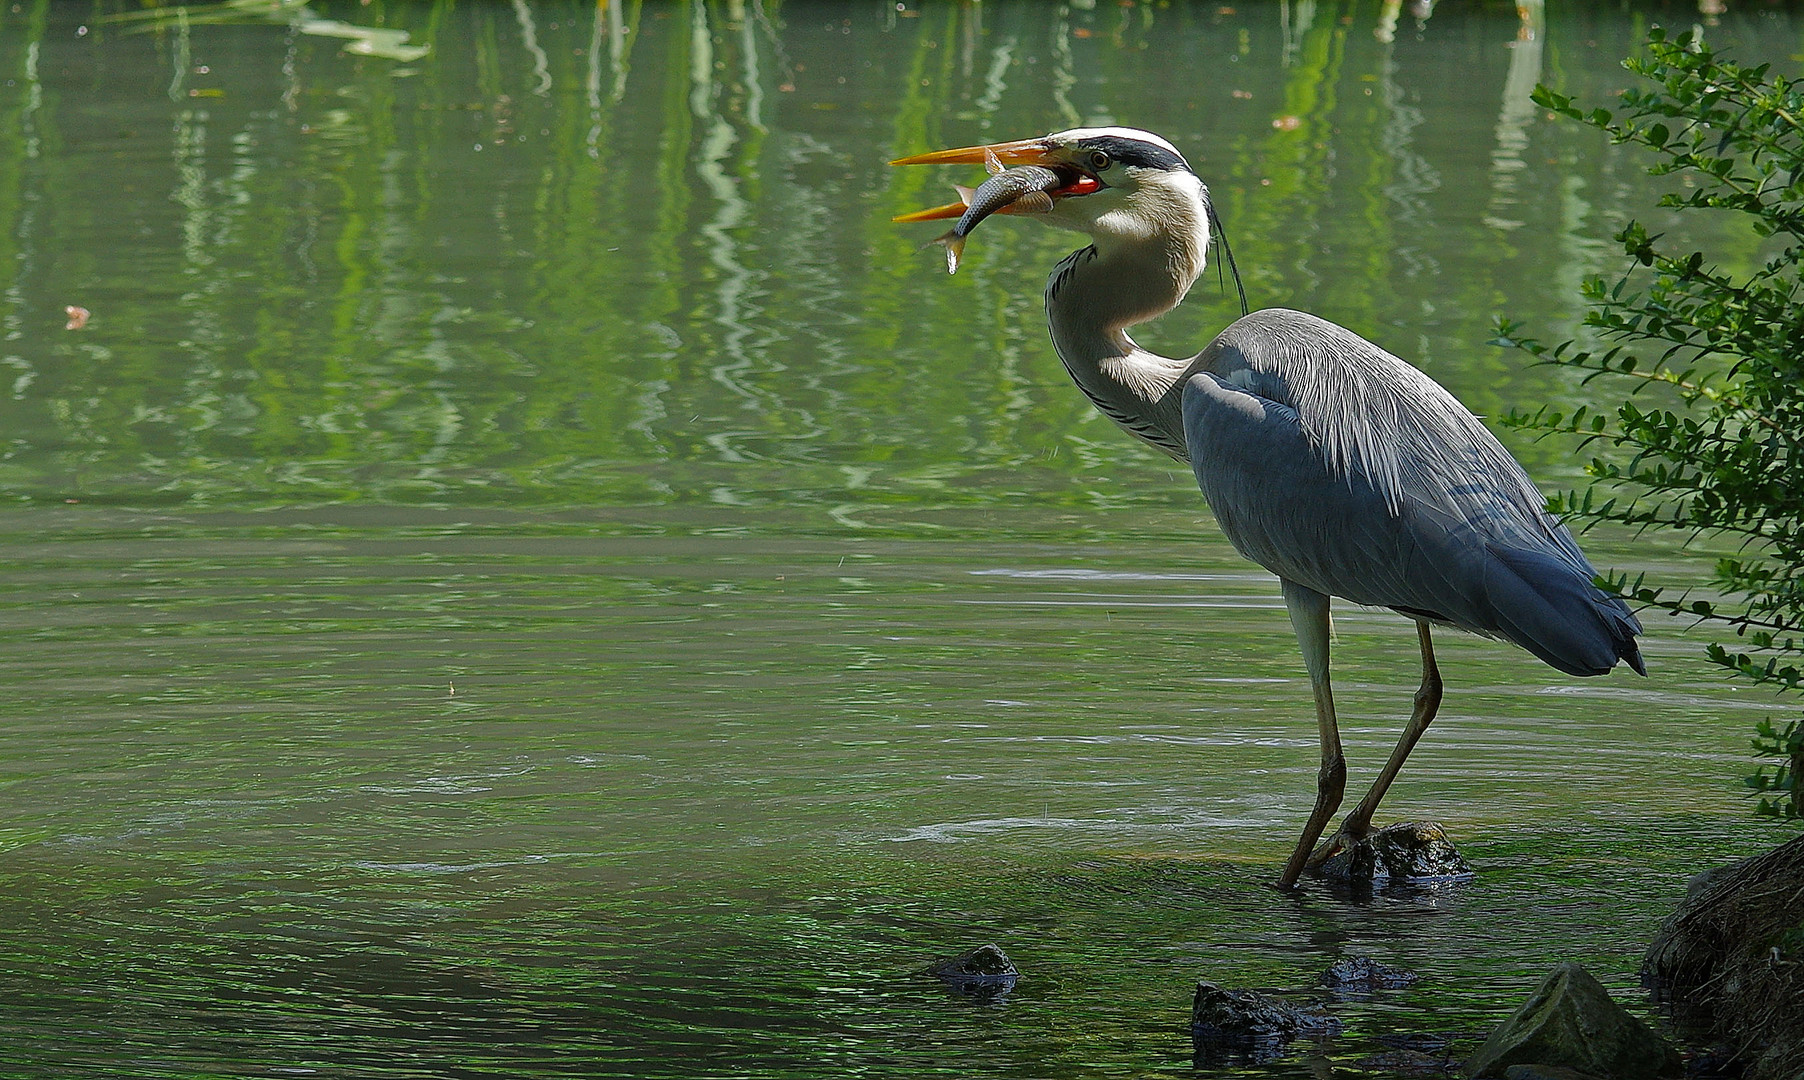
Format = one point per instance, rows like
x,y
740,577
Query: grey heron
x,y
1335,465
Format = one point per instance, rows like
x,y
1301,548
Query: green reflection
x,y
631,254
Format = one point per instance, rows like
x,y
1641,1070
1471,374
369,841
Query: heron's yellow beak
x,y
995,155
950,210
1019,152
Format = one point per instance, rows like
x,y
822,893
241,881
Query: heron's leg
x,y
1428,700
1309,617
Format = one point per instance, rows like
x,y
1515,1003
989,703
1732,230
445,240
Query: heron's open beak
x,y
1004,154
950,210
1019,152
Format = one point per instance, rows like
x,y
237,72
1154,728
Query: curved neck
x,y
1092,297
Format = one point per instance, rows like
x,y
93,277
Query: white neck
x,y
1094,295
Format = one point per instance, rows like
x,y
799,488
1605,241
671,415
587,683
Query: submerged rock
x,y
1358,975
1411,1063
1416,1053
984,970
1570,1022
1544,1072
1245,1024
1407,853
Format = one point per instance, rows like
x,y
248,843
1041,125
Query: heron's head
x,y
1123,186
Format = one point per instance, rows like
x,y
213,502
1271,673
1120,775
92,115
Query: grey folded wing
x,y
1449,542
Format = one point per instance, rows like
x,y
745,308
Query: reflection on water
x,y
640,254
526,571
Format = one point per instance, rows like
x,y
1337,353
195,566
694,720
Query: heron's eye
x,y
1099,160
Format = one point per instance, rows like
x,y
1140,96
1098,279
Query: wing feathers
x,y
1469,558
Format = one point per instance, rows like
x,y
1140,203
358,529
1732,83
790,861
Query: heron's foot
x,y
1345,838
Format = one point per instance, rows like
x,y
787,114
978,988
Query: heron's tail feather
x,y
1551,608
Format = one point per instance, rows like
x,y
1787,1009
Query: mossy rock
x,y
1570,1022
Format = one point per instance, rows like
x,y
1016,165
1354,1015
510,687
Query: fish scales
x,y
1021,190
1005,189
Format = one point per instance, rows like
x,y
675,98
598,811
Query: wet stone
x,y
1230,1025
1407,853
984,970
1358,975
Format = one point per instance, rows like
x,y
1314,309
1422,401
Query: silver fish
x,y
1015,191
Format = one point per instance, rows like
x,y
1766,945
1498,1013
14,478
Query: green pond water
x,y
525,571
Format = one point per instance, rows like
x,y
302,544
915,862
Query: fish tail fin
x,y
955,249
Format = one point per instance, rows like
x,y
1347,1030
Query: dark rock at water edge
x,y
984,970
1407,853
1570,1022
1359,975
1732,957
1245,1024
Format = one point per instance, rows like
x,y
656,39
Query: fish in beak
x,y
1037,178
